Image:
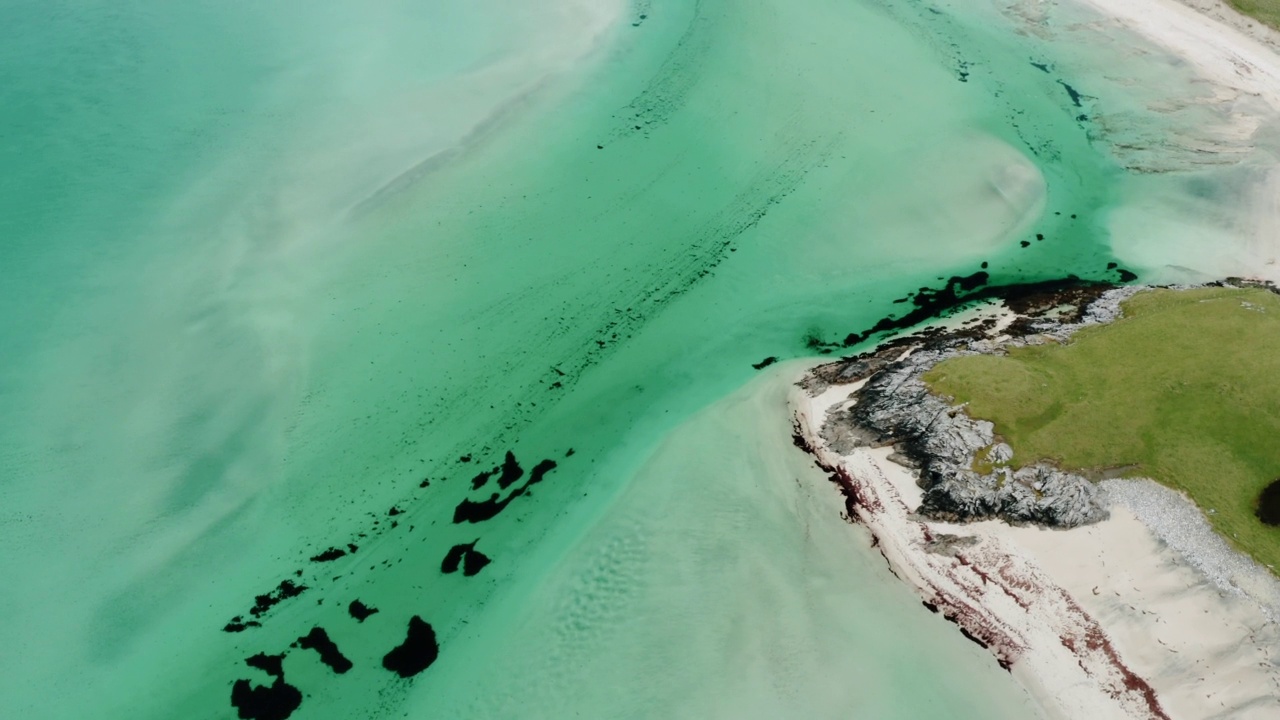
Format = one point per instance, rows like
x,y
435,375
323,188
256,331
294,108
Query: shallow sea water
x,y
269,270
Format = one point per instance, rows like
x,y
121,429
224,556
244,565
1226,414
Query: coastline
x,y
1106,620
1238,58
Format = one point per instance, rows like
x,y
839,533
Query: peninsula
x,y
1001,467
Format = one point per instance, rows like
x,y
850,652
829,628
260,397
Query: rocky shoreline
x,y
1109,620
942,443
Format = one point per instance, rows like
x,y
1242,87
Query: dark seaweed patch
x,y
473,562
958,291
272,665
1042,67
329,555
330,655
1125,275
929,303
1072,93
511,471
276,701
287,589
453,558
482,478
764,363
474,512
1025,243
262,603
360,611
416,653
466,556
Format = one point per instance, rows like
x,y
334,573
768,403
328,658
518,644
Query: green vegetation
x,y
1268,11
1184,389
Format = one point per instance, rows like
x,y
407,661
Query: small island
x,y
1084,480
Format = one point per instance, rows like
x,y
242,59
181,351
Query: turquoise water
x,y
269,272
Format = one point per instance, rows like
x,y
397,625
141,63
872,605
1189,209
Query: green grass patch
x,y
1268,11
1184,389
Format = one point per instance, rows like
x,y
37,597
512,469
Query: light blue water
x,y
266,269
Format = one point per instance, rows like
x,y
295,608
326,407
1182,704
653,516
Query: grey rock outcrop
x,y
894,407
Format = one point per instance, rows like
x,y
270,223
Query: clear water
x,y
266,268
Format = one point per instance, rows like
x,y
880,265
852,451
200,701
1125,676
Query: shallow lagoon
x,y
269,270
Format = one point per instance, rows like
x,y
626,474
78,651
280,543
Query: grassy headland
x,y
1268,11
1185,389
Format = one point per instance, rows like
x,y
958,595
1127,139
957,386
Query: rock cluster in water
x,y
894,407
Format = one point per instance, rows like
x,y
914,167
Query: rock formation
x,y
895,408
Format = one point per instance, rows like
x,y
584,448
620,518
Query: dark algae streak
x,y
960,291
276,701
1072,93
262,603
768,361
287,589
329,555
239,624
326,648
418,651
